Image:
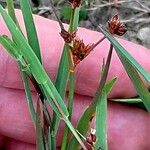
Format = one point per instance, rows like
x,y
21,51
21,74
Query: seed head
x,y
91,138
68,37
115,26
80,50
75,3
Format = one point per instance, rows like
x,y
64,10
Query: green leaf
x,y
70,106
83,124
135,102
66,13
11,12
128,100
28,94
139,85
123,53
101,122
12,49
10,46
36,68
83,14
30,27
39,130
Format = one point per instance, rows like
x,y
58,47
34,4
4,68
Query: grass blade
x,y
70,105
135,102
128,100
30,27
35,66
139,85
101,122
123,53
83,124
11,48
28,94
39,130
11,12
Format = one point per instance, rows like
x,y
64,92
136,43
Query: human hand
x,y
128,127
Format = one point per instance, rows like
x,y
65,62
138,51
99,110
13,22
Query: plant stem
x,y
58,19
70,105
71,85
71,28
98,42
74,132
63,71
105,73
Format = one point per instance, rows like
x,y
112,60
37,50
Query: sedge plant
x,y
25,49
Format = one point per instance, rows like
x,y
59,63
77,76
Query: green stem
x,y
71,88
70,105
63,70
11,12
71,28
72,129
28,94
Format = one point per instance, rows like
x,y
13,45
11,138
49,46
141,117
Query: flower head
x,y
115,26
91,138
68,37
80,50
75,3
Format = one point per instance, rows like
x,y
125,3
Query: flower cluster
x,y
91,138
115,26
75,3
68,37
80,50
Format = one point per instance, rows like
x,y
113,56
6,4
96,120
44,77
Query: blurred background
x,y
134,13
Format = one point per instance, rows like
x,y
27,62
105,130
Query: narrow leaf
x,y
139,85
128,100
83,124
37,70
101,122
123,53
12,49
135,102
28,94
10,46
39,130
11,11
30,27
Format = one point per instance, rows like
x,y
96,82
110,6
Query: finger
x,y
129,126
2,141
126,125
88,71
17,145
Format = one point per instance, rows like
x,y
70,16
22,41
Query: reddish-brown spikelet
x,y
75,3
115,26
91,138
80,50
68,37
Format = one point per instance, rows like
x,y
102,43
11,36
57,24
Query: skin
x,y
128,127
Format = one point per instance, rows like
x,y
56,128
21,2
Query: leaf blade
x,y
30,27
123,53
